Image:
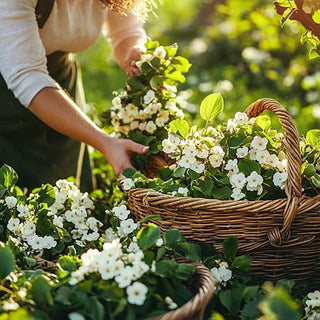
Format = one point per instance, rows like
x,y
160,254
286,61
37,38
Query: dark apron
x,y
36,152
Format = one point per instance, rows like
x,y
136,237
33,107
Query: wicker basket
x,y
282,235
194,309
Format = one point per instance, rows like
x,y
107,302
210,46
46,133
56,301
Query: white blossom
x,y
121,212
259,143
13,224
279,178
10,201
137,293
242,152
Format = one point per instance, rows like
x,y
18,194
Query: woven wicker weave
x,y
194,309
282,235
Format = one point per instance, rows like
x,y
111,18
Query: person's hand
x,y
128,52
119,151
134,55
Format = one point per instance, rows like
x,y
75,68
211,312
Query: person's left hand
x,y
128,52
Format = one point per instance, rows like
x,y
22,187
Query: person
x,y
43,124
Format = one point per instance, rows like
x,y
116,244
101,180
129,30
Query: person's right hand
x,y
118,152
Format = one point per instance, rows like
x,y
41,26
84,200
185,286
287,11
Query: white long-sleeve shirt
x,y
72,26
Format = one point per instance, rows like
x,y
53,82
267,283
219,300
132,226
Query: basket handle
x,y
293,187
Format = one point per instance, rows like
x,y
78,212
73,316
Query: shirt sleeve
x,y
118,27
22,54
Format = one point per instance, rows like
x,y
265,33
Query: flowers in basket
x,y
240,159
150,99
49,219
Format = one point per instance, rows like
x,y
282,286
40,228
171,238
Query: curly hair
x,y
140,8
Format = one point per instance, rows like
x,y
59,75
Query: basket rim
x,y
196,305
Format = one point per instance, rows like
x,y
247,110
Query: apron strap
x,y
43,10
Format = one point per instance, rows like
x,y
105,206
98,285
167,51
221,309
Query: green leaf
x,y
180,126
43,226
165,173
231,299
135,82
230,248
191,250
7,262
223,193
68,263
148,236
8,177
313,138
19,314
179,172
247,166
95,308
156,82
242,263
211,106
41,291
46,194
262,122
173,236
129,172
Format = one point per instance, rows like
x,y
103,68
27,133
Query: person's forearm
x,y
59,112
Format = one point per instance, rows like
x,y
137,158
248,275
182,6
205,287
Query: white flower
x,y
232,165
149,96
186,161
127,184
116,101
314,299
121,212
215,160
190,150
13,224
279,178
142,126
168,146
160,52
238,180
262,156
237,194
109,235
23,210
134,125
93,236
171,89
58,221
151,127
48,242
253,154
259,143
242,152
132,110
197,167
160,122
76,316
183,191
128,226
125,277
231,125
202,153
93,223
28,228
272,161
9,305
10,201
159,242
106,270
240,118
254,182
137,293
221,274
35,242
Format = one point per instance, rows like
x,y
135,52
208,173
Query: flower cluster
x,y
121,260
150,100
50,216
124,265
312,309
239,150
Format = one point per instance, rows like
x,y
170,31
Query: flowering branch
x,y
299,14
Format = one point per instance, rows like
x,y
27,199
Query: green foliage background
x,y
215,41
